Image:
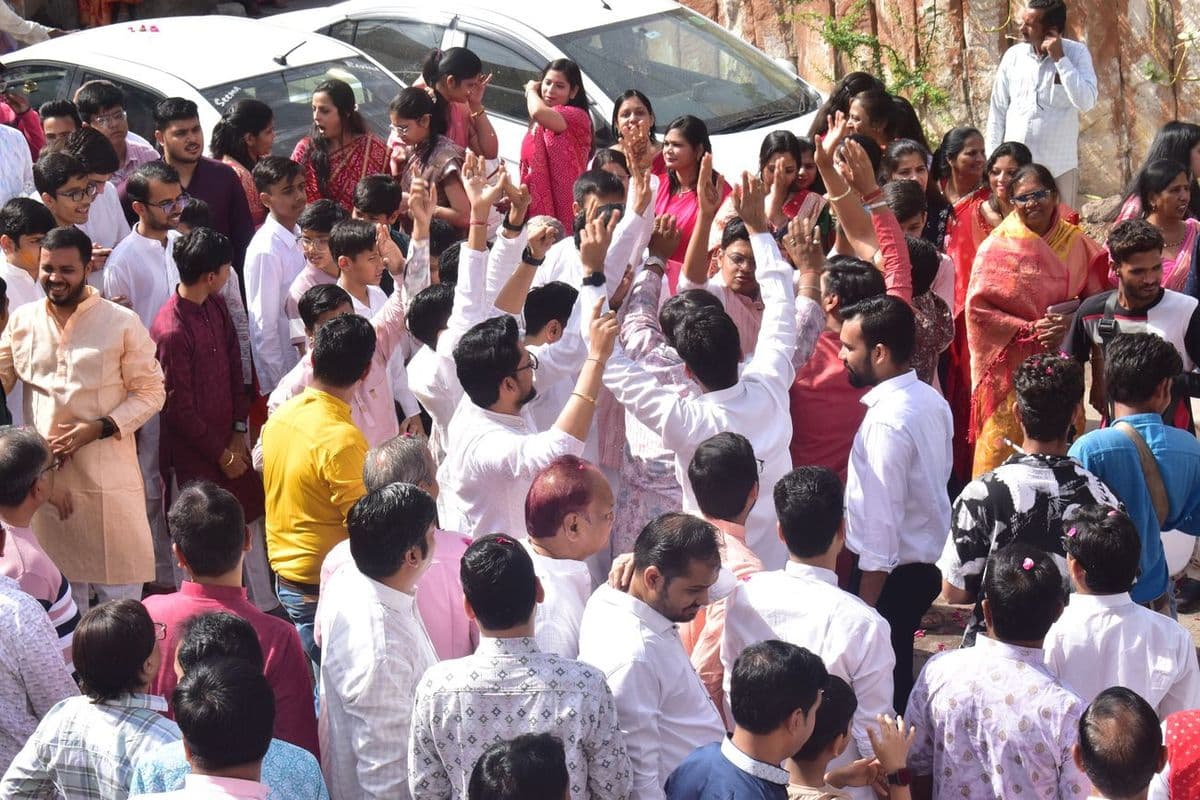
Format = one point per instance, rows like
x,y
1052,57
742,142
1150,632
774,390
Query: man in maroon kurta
x,y
204,418
209,539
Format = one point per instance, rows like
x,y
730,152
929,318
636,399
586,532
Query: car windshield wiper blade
x,y
750,121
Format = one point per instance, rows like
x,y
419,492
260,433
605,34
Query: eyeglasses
x,y
533,364
740,261
761,464
108,120
313,244
76,195
172,205
160,631
1029,198
399,130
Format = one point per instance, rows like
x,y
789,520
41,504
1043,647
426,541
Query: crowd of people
x,y
381,470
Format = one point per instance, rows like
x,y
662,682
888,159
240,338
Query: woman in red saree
x,y
557,146
1033,260
340,151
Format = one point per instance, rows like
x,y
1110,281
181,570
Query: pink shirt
x,y
208,787
285,664
309,277
439,596
25,562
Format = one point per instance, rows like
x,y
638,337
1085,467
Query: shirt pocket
x,y
1162,675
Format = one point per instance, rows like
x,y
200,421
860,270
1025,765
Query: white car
x,y
211,60
682,61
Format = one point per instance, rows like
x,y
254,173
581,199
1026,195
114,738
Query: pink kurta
x,y
551,162
101,363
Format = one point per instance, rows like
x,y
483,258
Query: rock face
x,y
1146,54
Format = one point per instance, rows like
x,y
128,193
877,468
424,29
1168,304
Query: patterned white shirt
x,y
1036,100
33,676
507,688
1109,640
374,649
85,750
992,722
664,709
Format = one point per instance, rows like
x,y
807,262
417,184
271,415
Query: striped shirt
x,y
85,750
25,562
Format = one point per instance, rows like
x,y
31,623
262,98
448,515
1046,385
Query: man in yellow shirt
x,y
313,456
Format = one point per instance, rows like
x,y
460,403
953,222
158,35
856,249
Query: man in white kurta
x,y
91,380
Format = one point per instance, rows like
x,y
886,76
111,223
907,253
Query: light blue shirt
x,y
291,772
1112,457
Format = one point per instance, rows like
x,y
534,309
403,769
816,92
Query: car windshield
x,y
686,64
289,93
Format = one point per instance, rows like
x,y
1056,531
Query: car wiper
x,y
754,120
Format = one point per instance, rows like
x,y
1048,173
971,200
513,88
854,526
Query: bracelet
x,y
229,463
479,222
871,197
508,225
583,396
841,196
878,205
476,114
593,358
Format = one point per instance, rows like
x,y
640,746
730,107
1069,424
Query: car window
x,y
139,104
39,82
399,45
289,93
688,65
510,72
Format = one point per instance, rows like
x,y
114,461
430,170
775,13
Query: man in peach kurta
x,y
90,381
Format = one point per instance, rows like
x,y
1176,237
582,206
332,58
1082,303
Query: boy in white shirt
x,y
354,247
273,260
24,223
106,224
316,223
1105,639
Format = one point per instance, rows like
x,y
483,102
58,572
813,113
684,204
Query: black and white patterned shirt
x,y
1024,499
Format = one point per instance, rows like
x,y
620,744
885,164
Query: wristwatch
x,y
527,258
107,427
509,226
240,427
901,777
655,261
593,279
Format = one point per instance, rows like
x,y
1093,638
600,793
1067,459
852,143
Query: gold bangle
x,y
476,114
593,358
583,396
841,196
229,463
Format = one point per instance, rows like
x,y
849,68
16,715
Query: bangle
x,y
871,197
878,205
583,396
479,222
841,196
476,114
228,463
593,358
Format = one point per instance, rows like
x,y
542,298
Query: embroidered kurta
x,y
101,363
206,393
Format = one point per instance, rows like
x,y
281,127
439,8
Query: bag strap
x,y
1154,481
1107,328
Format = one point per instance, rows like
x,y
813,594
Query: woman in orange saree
x,y
340,151
1034,259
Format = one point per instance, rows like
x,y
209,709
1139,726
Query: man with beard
x,y
178,132
91,381
897,509
494,448
664,710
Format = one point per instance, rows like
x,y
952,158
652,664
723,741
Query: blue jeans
x,y
302,608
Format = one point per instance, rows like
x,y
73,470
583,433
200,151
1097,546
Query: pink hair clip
x,y
1070,534
1113,513
1027,564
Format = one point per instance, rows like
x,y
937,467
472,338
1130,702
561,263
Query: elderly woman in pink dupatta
x,y
557,146
1033,259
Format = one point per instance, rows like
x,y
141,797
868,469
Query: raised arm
x,y
640,328
541,113
1077,74
852,217
708,200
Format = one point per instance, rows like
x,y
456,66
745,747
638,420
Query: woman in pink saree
x,y
557,146
1162,195
340,151
1033,260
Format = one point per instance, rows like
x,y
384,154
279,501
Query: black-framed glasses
x,y
76,195
532,365
761,465
1029,198
168,206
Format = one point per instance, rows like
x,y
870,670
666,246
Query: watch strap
x,y
901,777
594,279
527,258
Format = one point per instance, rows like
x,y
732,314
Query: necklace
x,y
1177,242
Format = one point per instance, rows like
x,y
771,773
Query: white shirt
x,y
106,226
273,260
803,605
376,299
506,688
665,712
757,406
629,239
567,583
22,289
23,30
1036,100
143,270
897,509
432,379
559,365
16,165
1109,640
374,650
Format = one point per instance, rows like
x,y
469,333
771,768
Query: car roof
x,y
546,17
203,51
